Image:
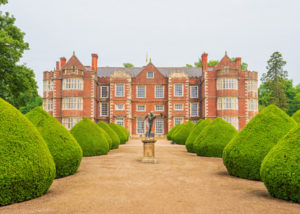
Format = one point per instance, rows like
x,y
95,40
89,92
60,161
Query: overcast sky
x,y
173,32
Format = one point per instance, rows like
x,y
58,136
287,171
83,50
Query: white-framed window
x,y
159,107
72,103
140,91
48,85
120,107
104,109
194,91
252,85
159,126
252,105
150,75
120,121
194,109
120,90
72,83
48,104
234,121
178,90
178,120
159,91
178,107
140,126
104,91
225,103
141,108
227,83
69,122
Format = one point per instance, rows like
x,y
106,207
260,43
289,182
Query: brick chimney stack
x,y
238,62
57,65
62,61
94,62
204,61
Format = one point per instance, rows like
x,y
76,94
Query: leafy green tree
x,y
34,102
188,66
294,105
17,83
198,64
212,62
128,65
244,65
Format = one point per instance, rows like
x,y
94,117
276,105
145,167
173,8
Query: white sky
x,y
173,32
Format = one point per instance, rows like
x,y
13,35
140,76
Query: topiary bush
x,y
119,131
183,132
280,169
90,138
244,153
189,144
65,150
169,135
113,135
214,138
178,126
125,131
296,116
107,137
27,168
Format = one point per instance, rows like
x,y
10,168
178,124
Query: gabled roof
x,y
226,61
73,61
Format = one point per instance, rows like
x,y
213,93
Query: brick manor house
x,y
125,95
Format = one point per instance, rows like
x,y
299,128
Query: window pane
x,y
178,90
159,91
141,91
140,126
159,126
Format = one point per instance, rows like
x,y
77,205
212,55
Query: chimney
x,y
57,65
94,62
62,61
204,61
238,62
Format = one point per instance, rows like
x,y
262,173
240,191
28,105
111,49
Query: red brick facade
x,y
125,95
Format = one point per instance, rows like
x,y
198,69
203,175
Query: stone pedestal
x,y
149,151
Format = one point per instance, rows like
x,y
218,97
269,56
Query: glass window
x,y
178,120
119,90
104,92
225,103
178,107
150,75
159,91
141,108
234,121
252,85
140,124
104,109
72,103
194,91
72,83
69,122
141,91
119,107
178,90
194,109
120,121
159,126
252,105
226,83
159,107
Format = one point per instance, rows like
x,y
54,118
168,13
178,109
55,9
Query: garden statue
x,y
151,117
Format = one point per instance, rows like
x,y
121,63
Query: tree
x,y
244,65
213,62
34,102
188,66
198,64
128,65
17,83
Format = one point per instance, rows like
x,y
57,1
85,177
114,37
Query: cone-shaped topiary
x,y
191,140
119,131
296,116
27,168
113,135
178,126
280,169
169,135
90,138
125,131
214,138
107,137
65,150
244,153
182,134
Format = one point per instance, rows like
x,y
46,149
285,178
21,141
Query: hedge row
x,y
182,133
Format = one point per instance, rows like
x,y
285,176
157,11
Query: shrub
x,y
65,150
296,116
113,135
107,137
280,169
183,132
125,131
214,138
119,131
191,140
244,153
178,126
27,168
169,135
90,138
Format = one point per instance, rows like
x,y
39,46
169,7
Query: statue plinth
x,y
149,151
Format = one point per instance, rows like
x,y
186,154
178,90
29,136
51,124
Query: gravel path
x,y
180,183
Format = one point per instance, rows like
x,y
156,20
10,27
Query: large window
x,y
120,121
159,126
178,107
72,83
48,104
48,85
159,107
150,75
178,120
140,126
194,91
72,103
120,90
233,121
252,105
227,83
104,91
69,122
194,109
252,85
104,109
159,91
120,107
225,103
178,90
141,91
141,108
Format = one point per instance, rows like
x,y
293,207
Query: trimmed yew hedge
x,y
296,116
107,137
90,138
214,138
125,131
113,135
120,132
183,132
65,150
244,153
169,135
27,168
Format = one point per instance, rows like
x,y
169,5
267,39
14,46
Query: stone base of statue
x,y
149,151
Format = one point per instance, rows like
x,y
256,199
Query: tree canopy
x,y
128,65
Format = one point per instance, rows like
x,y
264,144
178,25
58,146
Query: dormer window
x,y
150,75
73,69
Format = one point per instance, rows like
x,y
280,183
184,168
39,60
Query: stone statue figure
x,y
151,117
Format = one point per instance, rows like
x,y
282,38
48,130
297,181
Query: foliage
x,y
119,131
65,150
183,132
171,131
188,66
107,137
128,65
214,138
280,169
213,62
90,138
244,65
296,116
193,137
294,106
243,154
35,102
113,135
27,168
198,64
178,126
125,131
